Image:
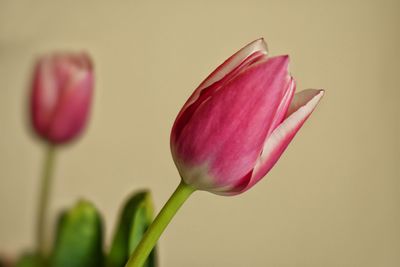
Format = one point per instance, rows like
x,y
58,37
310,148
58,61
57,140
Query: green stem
x,y
45,189
150,238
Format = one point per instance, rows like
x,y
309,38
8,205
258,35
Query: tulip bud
x,y
238,122
61,95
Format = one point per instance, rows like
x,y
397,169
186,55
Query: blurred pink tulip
x,y
61,96
238,122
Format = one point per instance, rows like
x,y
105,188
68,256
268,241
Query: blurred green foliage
x,y
80,234
79,238
136,216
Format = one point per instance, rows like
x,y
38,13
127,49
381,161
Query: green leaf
x,y
79,238
30,260
134,220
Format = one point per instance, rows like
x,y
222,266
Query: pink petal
x,y
228,130
73,108
301,108
248,55
45,94
257,46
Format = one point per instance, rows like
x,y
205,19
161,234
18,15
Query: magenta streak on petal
x,y
229,130
247,55
281,137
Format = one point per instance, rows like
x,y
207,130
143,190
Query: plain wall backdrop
x,y
332,200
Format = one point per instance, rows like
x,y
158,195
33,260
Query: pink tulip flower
x,y
61,96
238,122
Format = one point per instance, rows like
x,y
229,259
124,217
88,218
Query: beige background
x,y
332,200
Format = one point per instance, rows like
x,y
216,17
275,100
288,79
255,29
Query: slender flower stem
x,y
45,189
149,240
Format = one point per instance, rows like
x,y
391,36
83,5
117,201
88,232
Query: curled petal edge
x,y
302,106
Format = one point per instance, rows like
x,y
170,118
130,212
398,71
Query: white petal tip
x,y
320,94
315,100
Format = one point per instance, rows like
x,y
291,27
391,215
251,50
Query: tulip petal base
x,y
181,194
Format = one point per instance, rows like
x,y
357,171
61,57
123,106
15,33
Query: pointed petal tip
x,y
286,61
261,40
304,97
283,59
320,94
283,134
258,45
309,97
280,64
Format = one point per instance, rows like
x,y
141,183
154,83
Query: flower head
x,y
237,123
61,95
